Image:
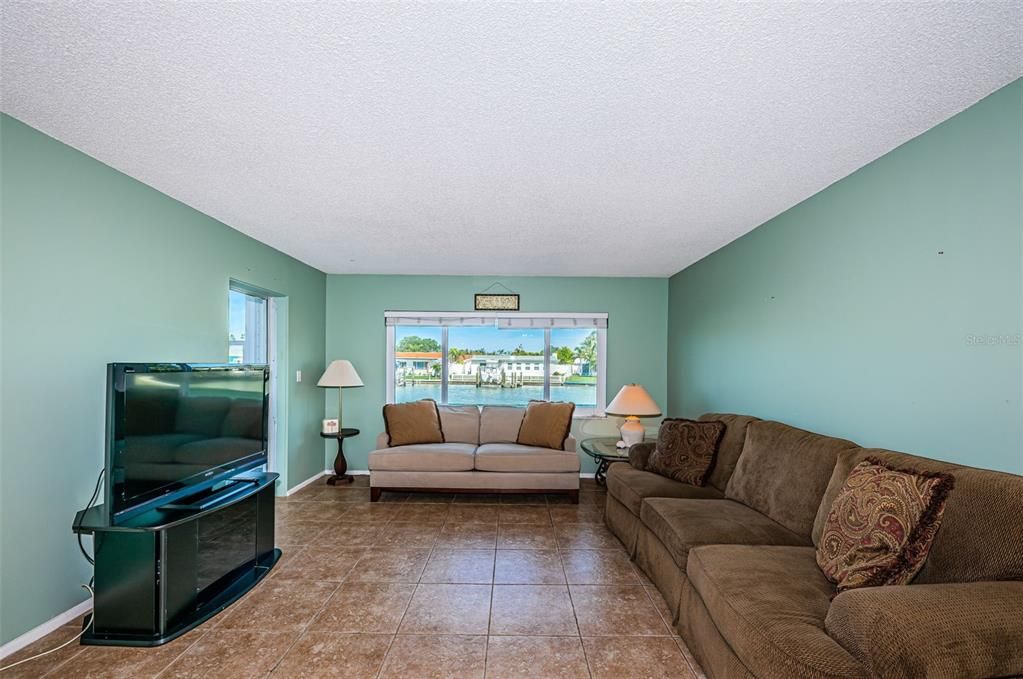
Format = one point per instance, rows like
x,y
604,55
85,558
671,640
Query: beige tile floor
x,y
420,585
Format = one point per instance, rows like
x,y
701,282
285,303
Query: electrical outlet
x,y
298,375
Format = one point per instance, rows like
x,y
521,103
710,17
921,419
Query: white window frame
x,y
276,339
446,319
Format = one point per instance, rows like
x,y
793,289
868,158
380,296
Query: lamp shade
x,y
633,401
340,373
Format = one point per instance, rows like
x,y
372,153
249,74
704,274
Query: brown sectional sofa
x,y
735,562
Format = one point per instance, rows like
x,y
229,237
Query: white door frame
x,y
272,322
277,354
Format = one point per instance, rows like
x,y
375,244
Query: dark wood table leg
x,y
601,475
340,466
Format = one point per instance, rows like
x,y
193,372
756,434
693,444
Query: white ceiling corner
x,y
476,138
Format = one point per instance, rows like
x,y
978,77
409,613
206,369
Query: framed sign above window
x,y
497,358
490,302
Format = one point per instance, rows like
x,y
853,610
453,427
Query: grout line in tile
x,y
337,586
575,615
571,601
490,615
50,672
486,639
559,546
685,656
515,634
586,657
185,650
397,627
650,596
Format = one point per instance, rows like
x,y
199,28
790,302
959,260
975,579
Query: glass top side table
x,y
602,449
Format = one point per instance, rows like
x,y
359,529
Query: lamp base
x,y
632,431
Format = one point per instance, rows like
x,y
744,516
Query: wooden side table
x,y
340,464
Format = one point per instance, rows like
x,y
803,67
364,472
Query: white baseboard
x,y
311,479
51,625
586,475
58,621
320,475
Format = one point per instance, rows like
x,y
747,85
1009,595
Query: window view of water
x,y
495,366
467,394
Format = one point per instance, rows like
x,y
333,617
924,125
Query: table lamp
x,y
632,403
340,374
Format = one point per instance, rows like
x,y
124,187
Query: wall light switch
x,y
298,375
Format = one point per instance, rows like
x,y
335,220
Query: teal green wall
x,y
97,267
637,317
841,316
838,316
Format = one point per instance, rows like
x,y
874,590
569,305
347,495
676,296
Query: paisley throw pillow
x,y
881,525
685,449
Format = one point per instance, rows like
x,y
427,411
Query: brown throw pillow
x,y
685,449
546,424
412,422
881,525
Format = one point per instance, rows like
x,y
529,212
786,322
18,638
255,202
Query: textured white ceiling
x,y
569,138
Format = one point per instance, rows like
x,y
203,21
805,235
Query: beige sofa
x,y
479,455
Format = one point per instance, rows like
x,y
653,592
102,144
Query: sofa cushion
x,y
710,649
631,486
685,449
431,457
486,482
682,524
769,603
500,424
639,454
981,534
460,424
881,525
955,629
783,472
412,422
546,424
729,448
512,457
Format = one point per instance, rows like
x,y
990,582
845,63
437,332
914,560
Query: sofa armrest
x,y
639,454
382,440
957,629
570,444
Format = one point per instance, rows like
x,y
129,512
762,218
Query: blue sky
x,y
492,339
236,314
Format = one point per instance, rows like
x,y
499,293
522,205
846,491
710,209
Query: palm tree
x,y
565,355
587,353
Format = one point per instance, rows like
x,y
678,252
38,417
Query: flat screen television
x,y
176,429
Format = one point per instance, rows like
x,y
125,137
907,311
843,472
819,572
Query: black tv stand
x,y
214,499
162,573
